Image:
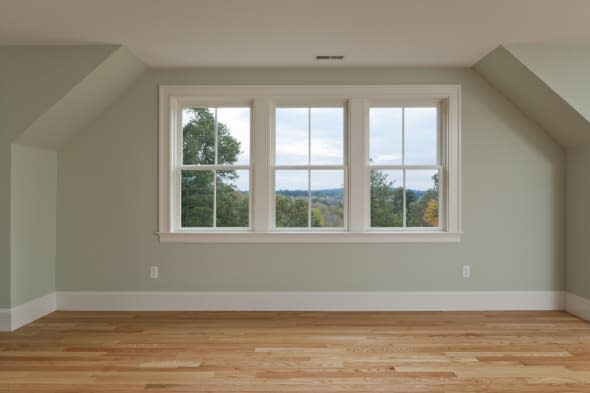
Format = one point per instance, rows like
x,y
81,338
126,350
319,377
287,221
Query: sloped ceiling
x,y
564,68
84,102
34,78
51,92
550,84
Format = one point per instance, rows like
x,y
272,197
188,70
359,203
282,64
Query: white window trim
x,y
263,100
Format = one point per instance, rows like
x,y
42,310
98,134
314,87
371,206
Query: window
x,y
309,168
214,171
404,161
309,163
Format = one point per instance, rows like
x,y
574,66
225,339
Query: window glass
x,y
219,194
309,167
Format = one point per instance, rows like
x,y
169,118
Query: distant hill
x,y
337,193
333,192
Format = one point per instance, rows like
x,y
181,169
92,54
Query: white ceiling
x,y
182,33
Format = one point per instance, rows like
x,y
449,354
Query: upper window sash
x,y
357,99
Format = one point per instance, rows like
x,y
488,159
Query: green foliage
x,y
387,201
423,211
387,204
198,145
291,212
327,209
197,199
197,191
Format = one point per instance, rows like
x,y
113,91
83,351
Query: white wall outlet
x,y
466,271
154,272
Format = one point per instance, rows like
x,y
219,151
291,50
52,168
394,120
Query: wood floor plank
x,y
124,352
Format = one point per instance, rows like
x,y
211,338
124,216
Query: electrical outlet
x,y
466,271
154,272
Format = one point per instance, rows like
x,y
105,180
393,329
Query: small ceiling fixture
x,y
330,57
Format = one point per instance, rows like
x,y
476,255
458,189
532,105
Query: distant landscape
x,y
212,198
327,207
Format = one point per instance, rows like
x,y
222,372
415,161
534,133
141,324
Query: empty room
x,y
294,196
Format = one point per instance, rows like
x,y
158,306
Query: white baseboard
x,y
12,319
311,301
32,310
578,306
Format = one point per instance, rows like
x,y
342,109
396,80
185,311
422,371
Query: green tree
x,y
423,212
386,201
197,191
291,212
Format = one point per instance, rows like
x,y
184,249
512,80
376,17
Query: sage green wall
x,y
534,97
565,70
32,80
513,204
33,221
4,224
578,221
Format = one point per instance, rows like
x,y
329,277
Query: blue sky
x,y
326,125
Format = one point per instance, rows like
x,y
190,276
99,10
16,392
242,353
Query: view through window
x,y
404,162
288,162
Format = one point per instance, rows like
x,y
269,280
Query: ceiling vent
x,y
330,57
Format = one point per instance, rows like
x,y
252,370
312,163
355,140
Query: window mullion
x,y
215,137
404,206
309,167
262,176
214,198
359,175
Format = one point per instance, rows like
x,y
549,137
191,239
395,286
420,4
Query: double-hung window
x,y
404,164
213,152
310,163
309,171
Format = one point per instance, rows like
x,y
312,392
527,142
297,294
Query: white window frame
x,y
404,168
263,100
180,166
309,104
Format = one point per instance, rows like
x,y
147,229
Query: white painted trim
x,y
14,318
311,237
577,306
263,99
310,301
5,320
32,310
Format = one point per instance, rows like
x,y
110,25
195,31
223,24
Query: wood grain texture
x,y
167,352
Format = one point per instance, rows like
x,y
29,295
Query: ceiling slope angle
x,y
549,83
85,101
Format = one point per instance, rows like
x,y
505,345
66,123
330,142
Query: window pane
x,y
387,198
198,138
421,135
196,199
292,195
233,138
422,198
327,198
327,136
292,136
232,199
385,136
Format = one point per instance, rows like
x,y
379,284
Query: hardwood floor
x,y
298,352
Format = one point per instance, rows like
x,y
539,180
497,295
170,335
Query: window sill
x,y
310,237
